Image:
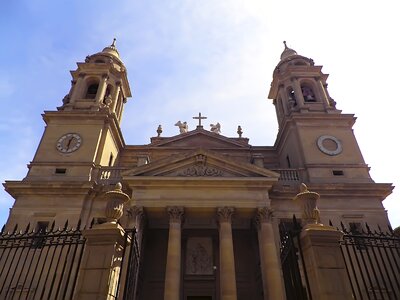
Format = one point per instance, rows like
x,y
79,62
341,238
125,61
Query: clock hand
x,y
69,142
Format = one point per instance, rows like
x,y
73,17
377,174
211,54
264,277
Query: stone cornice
x,y
65,188
338,190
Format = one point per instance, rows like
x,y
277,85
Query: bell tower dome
x,y
313,135
298,86
99,83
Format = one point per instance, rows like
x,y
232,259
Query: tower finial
x,y
287,52
113,43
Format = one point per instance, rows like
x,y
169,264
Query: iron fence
x,y
40,264
372,260
129,275
294,273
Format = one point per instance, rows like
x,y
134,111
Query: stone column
x,y
138,215
226,256
115,96
322,93
173,268
270,263
77,89
102,89
298,93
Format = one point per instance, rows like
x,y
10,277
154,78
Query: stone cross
x,y
200,118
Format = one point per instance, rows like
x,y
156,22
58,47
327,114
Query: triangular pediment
x,y
201,138
200,163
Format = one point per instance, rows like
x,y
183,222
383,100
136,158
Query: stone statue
x,y
66,99
159,131
183,127
215,128
239,131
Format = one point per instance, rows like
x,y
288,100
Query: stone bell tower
x,y
313,134
79,138
84,133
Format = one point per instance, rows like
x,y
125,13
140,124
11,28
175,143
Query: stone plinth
x,y
101,262
324,263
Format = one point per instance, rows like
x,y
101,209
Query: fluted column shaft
x,y
102,89
173,268
138,217
77,89
226,255
115,97
270,263
298,93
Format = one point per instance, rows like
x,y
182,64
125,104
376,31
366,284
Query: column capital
x,y
175,213
137,214
263,215
136,211
225,213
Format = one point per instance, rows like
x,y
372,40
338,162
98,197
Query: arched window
x,y
92,91
308,93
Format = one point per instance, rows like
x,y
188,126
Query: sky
x,y
215,57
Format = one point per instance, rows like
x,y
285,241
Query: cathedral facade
x,y
206,207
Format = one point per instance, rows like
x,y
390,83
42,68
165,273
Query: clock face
x,y
69,142
329,145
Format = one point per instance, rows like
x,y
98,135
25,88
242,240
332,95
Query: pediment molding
x,y
199,163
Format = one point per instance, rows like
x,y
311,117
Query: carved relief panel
x,y
199,256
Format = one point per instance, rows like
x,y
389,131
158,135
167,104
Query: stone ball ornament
x,y
116,199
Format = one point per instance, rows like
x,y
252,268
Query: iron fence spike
x,y
52,225
65,225
390,229
342,225
27,227
368,228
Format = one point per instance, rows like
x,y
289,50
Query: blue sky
x,y
216,57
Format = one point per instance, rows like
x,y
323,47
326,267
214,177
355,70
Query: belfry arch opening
x,y
308,93
91,90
